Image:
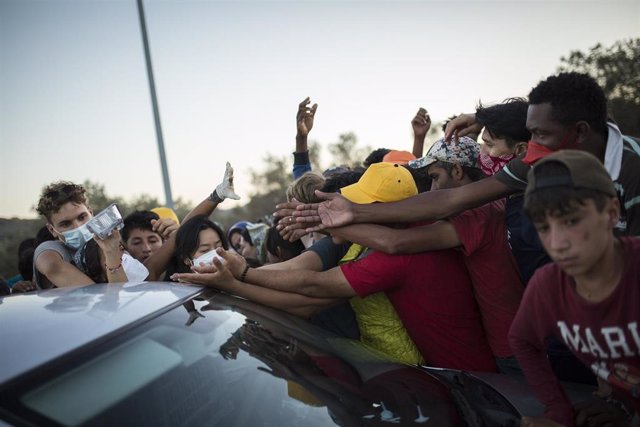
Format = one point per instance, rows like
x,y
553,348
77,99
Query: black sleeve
x,y
329,252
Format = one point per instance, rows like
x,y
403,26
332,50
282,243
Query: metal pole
x,y
156,111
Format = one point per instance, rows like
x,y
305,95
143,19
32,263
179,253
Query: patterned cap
x,y
465,152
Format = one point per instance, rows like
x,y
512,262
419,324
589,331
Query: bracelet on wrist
x,y
113,269
215,198
244,273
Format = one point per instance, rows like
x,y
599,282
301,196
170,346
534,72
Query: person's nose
x,y
558,241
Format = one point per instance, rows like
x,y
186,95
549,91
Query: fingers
x,y
325,196
304,103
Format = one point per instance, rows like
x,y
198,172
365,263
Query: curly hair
x,y
56,195
506,121
573,97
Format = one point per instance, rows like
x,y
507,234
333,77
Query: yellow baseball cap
x,y
382,182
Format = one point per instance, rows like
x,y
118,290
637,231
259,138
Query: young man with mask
x,y
64,206
565,111
589,297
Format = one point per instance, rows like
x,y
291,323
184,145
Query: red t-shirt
x,y
431,292
599,334
493,270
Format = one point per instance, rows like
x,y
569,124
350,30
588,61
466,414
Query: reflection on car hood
x,y
44,325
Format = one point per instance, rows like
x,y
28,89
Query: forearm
x,y
304,282
205,207
418,145
114,269
66,274
293,303
433,205
157,263
301,143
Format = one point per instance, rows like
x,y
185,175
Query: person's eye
x,y
542,228
572,221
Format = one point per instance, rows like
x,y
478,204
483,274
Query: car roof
x,y
44,325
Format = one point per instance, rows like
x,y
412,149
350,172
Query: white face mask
x,y
207,258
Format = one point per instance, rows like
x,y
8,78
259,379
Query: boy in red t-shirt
x,y
589,297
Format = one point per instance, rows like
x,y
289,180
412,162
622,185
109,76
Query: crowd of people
x,y
515,255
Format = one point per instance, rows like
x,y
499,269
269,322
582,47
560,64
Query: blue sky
x,y
75,105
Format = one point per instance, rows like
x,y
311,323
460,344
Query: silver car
x,y
163,354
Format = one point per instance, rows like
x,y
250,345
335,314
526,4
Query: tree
x,y
346,152
617,70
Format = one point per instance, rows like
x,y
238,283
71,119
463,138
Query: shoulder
x,y
52,246
545,280
514,174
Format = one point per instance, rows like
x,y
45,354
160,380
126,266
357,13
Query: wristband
x,y
215,198
244,273
114,269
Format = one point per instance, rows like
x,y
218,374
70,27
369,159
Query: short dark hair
x,y
56,195
137,220
474,174
375,156
25,257
288,249
560,200
187,240
506,121
420,177
342,179
573,97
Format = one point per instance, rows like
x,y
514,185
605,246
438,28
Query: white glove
x,y
225,190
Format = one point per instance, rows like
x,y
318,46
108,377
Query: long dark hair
x,y
187,240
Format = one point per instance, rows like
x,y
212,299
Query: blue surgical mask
x,y
77,237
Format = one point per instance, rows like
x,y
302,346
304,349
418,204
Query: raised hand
x,y
165,227
421,123
225,189
305,116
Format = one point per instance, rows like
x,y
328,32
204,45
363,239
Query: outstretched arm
x,y
220,277
337,211
432,237
326,284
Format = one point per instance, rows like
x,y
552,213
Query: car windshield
x,y
210,363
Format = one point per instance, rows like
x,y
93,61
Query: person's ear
x,y
520,148
613,210
187,261
457,173
583,131
54,233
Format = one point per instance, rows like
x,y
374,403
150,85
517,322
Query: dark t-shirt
x,y
523,239
329,252
339,319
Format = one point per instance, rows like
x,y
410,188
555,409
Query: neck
x,y
598,282
596,145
